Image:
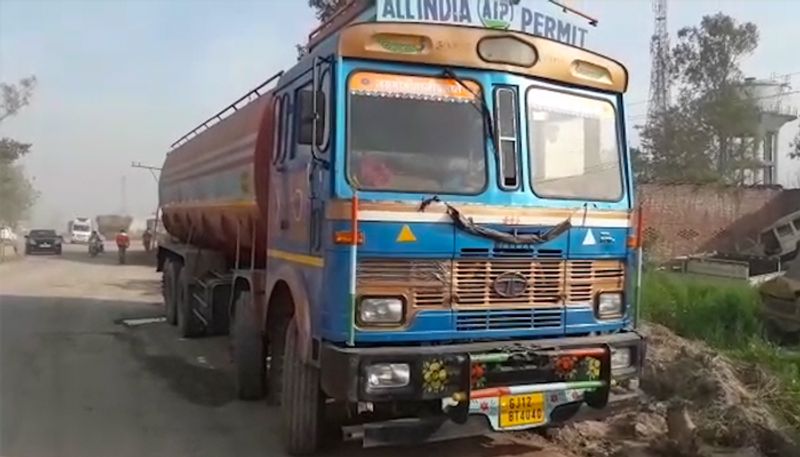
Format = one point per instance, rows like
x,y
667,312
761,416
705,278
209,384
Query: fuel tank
x,y
214,185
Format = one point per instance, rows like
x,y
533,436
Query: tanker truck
x,y
110,224
420,231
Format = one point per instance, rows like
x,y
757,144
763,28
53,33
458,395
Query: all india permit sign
x,y
534,17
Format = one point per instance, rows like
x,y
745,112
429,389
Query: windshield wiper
x,y
479,103
468,225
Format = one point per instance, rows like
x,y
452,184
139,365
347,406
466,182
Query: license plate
x,y
516,410
45,245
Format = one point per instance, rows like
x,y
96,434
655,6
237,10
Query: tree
x,y
17,194
326,8
708,133
794,151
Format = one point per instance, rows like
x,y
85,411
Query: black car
x,y
43,241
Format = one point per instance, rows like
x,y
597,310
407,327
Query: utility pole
x,y
149,168
153,170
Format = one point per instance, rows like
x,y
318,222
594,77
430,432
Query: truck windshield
x,y
80,228
573,146
415,134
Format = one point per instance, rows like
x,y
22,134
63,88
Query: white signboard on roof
x,y
534,17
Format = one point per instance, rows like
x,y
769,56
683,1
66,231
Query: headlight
x,y
609,305
380,310
387,376
620,358
31,241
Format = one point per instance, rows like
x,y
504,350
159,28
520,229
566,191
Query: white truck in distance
x,y
79,230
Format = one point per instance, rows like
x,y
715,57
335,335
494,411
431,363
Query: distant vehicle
x,y
79,230
96,247
43,241
110,224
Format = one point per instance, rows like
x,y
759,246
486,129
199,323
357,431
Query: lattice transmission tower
x,y
659,62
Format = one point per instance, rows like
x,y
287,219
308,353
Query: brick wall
x,y
683,219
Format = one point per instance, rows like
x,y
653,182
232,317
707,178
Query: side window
x,y
277,144
325,86
784,230
505,105
286,144
309,115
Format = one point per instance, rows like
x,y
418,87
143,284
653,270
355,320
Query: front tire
x,y
302,401
249,356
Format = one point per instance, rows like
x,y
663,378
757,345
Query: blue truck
x,y
422,230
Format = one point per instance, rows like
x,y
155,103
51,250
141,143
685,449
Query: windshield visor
x,y
415,134
573,146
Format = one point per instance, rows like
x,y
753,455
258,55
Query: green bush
x,y
722,313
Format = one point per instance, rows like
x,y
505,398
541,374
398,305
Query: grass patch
x,y
725,314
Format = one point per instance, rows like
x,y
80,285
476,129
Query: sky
x,y
120,80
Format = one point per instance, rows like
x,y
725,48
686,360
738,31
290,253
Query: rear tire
x,y
249,356
302,401
169,283
189,325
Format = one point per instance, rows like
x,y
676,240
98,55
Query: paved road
x,y
74,381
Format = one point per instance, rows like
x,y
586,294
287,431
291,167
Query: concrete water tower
x,y
774,111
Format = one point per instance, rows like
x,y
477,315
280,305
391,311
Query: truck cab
x,y
465,242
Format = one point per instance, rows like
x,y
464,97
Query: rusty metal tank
x,y
213,188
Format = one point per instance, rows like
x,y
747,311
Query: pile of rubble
x,y
696,405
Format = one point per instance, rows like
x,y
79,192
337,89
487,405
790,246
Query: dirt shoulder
x,y
697,403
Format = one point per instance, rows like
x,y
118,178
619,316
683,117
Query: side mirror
x,y
309,117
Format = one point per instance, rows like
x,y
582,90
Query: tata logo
x,y
496,14
510,284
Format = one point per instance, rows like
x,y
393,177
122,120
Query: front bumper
x,y
415,431
489,378
32,248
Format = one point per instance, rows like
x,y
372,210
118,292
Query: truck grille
x,y
423,282
509,319
472,283
587,277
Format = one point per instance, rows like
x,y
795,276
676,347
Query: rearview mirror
x,y
308,117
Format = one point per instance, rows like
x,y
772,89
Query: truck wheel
x,y
248,350
276,348
169,283
302,402
189,325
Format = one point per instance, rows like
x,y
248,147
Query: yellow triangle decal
x,y
406,235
